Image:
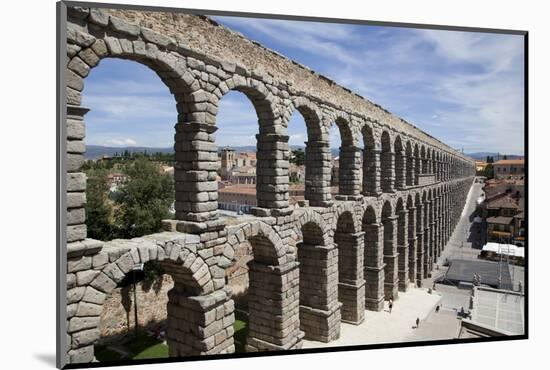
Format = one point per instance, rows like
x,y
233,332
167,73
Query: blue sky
x,y
463,88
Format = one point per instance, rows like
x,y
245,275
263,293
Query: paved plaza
x,y
399,326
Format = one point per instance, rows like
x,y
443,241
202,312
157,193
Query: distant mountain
x,y
496,156
98,151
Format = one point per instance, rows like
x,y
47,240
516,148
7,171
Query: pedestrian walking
x,y
417,322
437,308
390,305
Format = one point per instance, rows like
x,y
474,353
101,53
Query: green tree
x,y
489,171
143,200
298,157
505,157
98,208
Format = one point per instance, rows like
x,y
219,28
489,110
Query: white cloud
x,y
311,37
121,142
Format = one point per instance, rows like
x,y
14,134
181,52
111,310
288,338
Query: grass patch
x,y
145,346
241,331
142,347
159,350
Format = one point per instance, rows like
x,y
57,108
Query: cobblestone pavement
x,y
383,327
439,325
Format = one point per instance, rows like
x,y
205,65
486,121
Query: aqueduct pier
x,y
401,193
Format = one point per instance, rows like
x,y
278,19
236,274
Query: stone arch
x,y
409,165
373,260
343,122
271,143
429,160
319,307
424,159
401,213
342,208
439,166
271,250
315,224
262,99
349,172
317,152
420,222
272,274
193,285
400,163
371,162
428,230
417,163
389,220
86,49
387,163
412,238
351,283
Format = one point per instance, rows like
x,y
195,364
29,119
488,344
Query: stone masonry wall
x,y
117,316
295,286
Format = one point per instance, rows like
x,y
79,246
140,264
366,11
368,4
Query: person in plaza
x,y
390,304
437,308
417,322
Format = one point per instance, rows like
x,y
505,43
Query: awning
x,y
505,249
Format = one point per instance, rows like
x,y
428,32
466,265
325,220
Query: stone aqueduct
x,y
314,267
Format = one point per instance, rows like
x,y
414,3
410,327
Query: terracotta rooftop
x,y
509,161
503,202
238,189
500,220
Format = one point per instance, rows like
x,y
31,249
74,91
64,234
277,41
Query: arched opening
x,y
351,284
410,170
417,164
439,223
319,307
237,157
402,245
400,164
374,260
348,161
371,163
135,288
387,164
245,166
309,170
129,160
429,161
427,233
237,278
437,166
424,159
273,306
420,242
389,220
143,298
412,238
